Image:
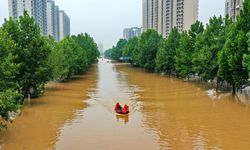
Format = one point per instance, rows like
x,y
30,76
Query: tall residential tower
x,y
46,14
35,8
163,15
64,21
128,33
233,8
53,19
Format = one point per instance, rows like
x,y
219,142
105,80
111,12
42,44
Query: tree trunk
x,y
234,89
217,86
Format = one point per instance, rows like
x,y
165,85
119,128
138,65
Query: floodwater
x,y
166,113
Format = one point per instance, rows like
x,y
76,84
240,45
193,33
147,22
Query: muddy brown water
x,y
165,114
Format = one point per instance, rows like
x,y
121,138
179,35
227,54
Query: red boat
x,y
120,110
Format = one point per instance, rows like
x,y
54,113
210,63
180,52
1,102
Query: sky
x,y
105,20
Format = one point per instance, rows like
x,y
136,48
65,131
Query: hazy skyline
x,y
105,20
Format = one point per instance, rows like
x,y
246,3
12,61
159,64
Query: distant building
x,y
53,20
232,8
40,13
64,22
35,8
163,15
46,14
128,33
16,8
100,48
56,23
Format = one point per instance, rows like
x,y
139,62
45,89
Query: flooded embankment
x,y
166,113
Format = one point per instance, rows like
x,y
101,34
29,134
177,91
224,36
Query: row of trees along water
x,y
29,60
218,52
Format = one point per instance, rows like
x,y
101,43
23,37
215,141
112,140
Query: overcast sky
x,y
105,19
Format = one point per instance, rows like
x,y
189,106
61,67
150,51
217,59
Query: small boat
x,y
120,110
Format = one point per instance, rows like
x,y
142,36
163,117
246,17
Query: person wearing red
x,y
125,109
118,107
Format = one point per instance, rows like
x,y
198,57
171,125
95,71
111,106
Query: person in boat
x,y
125,109
118,107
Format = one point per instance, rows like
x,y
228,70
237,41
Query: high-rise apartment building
x,y
16,8
232,8
46,15
163,15
56,23
50,18
40,14
64,21
128,33
53,19
35,8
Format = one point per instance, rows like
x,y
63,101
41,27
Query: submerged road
x,y
166,113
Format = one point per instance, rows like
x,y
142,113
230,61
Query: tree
x,y
196,29
72,56
130,46
165,61
183,56
235,74
108,52
148,46
117,50
9,96
235,48
88,45
208,45
67,63
135,54
31,53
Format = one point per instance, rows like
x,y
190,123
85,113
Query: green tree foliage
x,y
108,52
116,51
196,29
148,46
88,46
8,69
183,56
66,49
186,50
165,61
128,49
207,47
235,48
8,103
135,54
235,74
73,55
9,96
31,53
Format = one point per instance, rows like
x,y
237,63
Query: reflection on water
x,y
124,118
166,113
